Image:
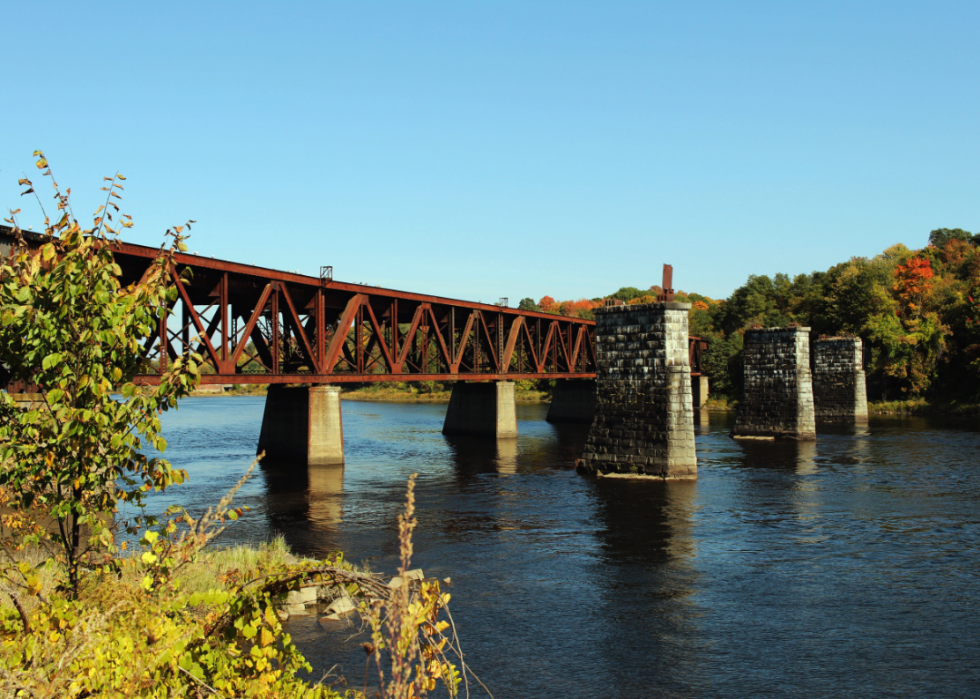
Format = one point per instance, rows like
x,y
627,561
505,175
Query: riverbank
x,y
204,391
402,392
912,406
422,392
921,406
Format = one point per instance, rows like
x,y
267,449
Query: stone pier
x,y
778,396
572,401
644,421
303,425
839,389
483,409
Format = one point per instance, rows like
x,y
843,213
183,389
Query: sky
x,y
480,150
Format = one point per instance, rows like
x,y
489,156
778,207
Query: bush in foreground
x,y
85,618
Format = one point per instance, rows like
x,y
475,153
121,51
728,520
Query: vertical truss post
x,y
162,329
452,334
359,339
274,302
500,341
393,311
185,324
321,331
554,346
223,310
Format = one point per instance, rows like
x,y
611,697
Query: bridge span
x,y
303,335
254,325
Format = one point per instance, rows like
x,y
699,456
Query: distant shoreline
x,y
913,407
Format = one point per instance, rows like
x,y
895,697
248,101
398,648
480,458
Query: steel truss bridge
x,y
253,325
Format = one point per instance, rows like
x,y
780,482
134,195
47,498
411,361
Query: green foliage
x,y
628,293
133,631
68,327
528,304
941,236
723,364
910,308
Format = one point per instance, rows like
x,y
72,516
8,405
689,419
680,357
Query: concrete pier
x,y
483,409
572,401
699,391
303,425
644,421
839,386
778,396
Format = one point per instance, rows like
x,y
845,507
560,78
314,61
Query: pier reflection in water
x,y
845,566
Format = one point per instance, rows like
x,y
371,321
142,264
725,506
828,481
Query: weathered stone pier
x,y
644,421
839,386
778,396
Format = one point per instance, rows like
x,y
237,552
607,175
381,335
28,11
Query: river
x,y
846,567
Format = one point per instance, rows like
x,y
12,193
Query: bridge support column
x,y
303,425
644,421
483,409
573,401
699,391
839,390
778,396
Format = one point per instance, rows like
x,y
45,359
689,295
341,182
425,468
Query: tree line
x,y
917,312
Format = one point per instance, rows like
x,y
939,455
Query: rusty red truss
x,y
253,325
257,325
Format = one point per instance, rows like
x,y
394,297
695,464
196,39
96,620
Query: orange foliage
x,y
571,309
912,281
700,306
642,299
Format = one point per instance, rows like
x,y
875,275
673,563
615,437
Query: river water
x,y
846,567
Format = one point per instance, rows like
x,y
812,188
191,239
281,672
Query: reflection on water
x,y
841,567
479,455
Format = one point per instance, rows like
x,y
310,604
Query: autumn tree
x,y
69,328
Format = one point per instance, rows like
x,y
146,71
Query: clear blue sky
x,y
480,150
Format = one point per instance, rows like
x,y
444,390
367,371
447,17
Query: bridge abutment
x,y
839,389
483,409
572,401
303,424
644,419
777,400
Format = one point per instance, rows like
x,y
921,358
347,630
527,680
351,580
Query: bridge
x,y
255,325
